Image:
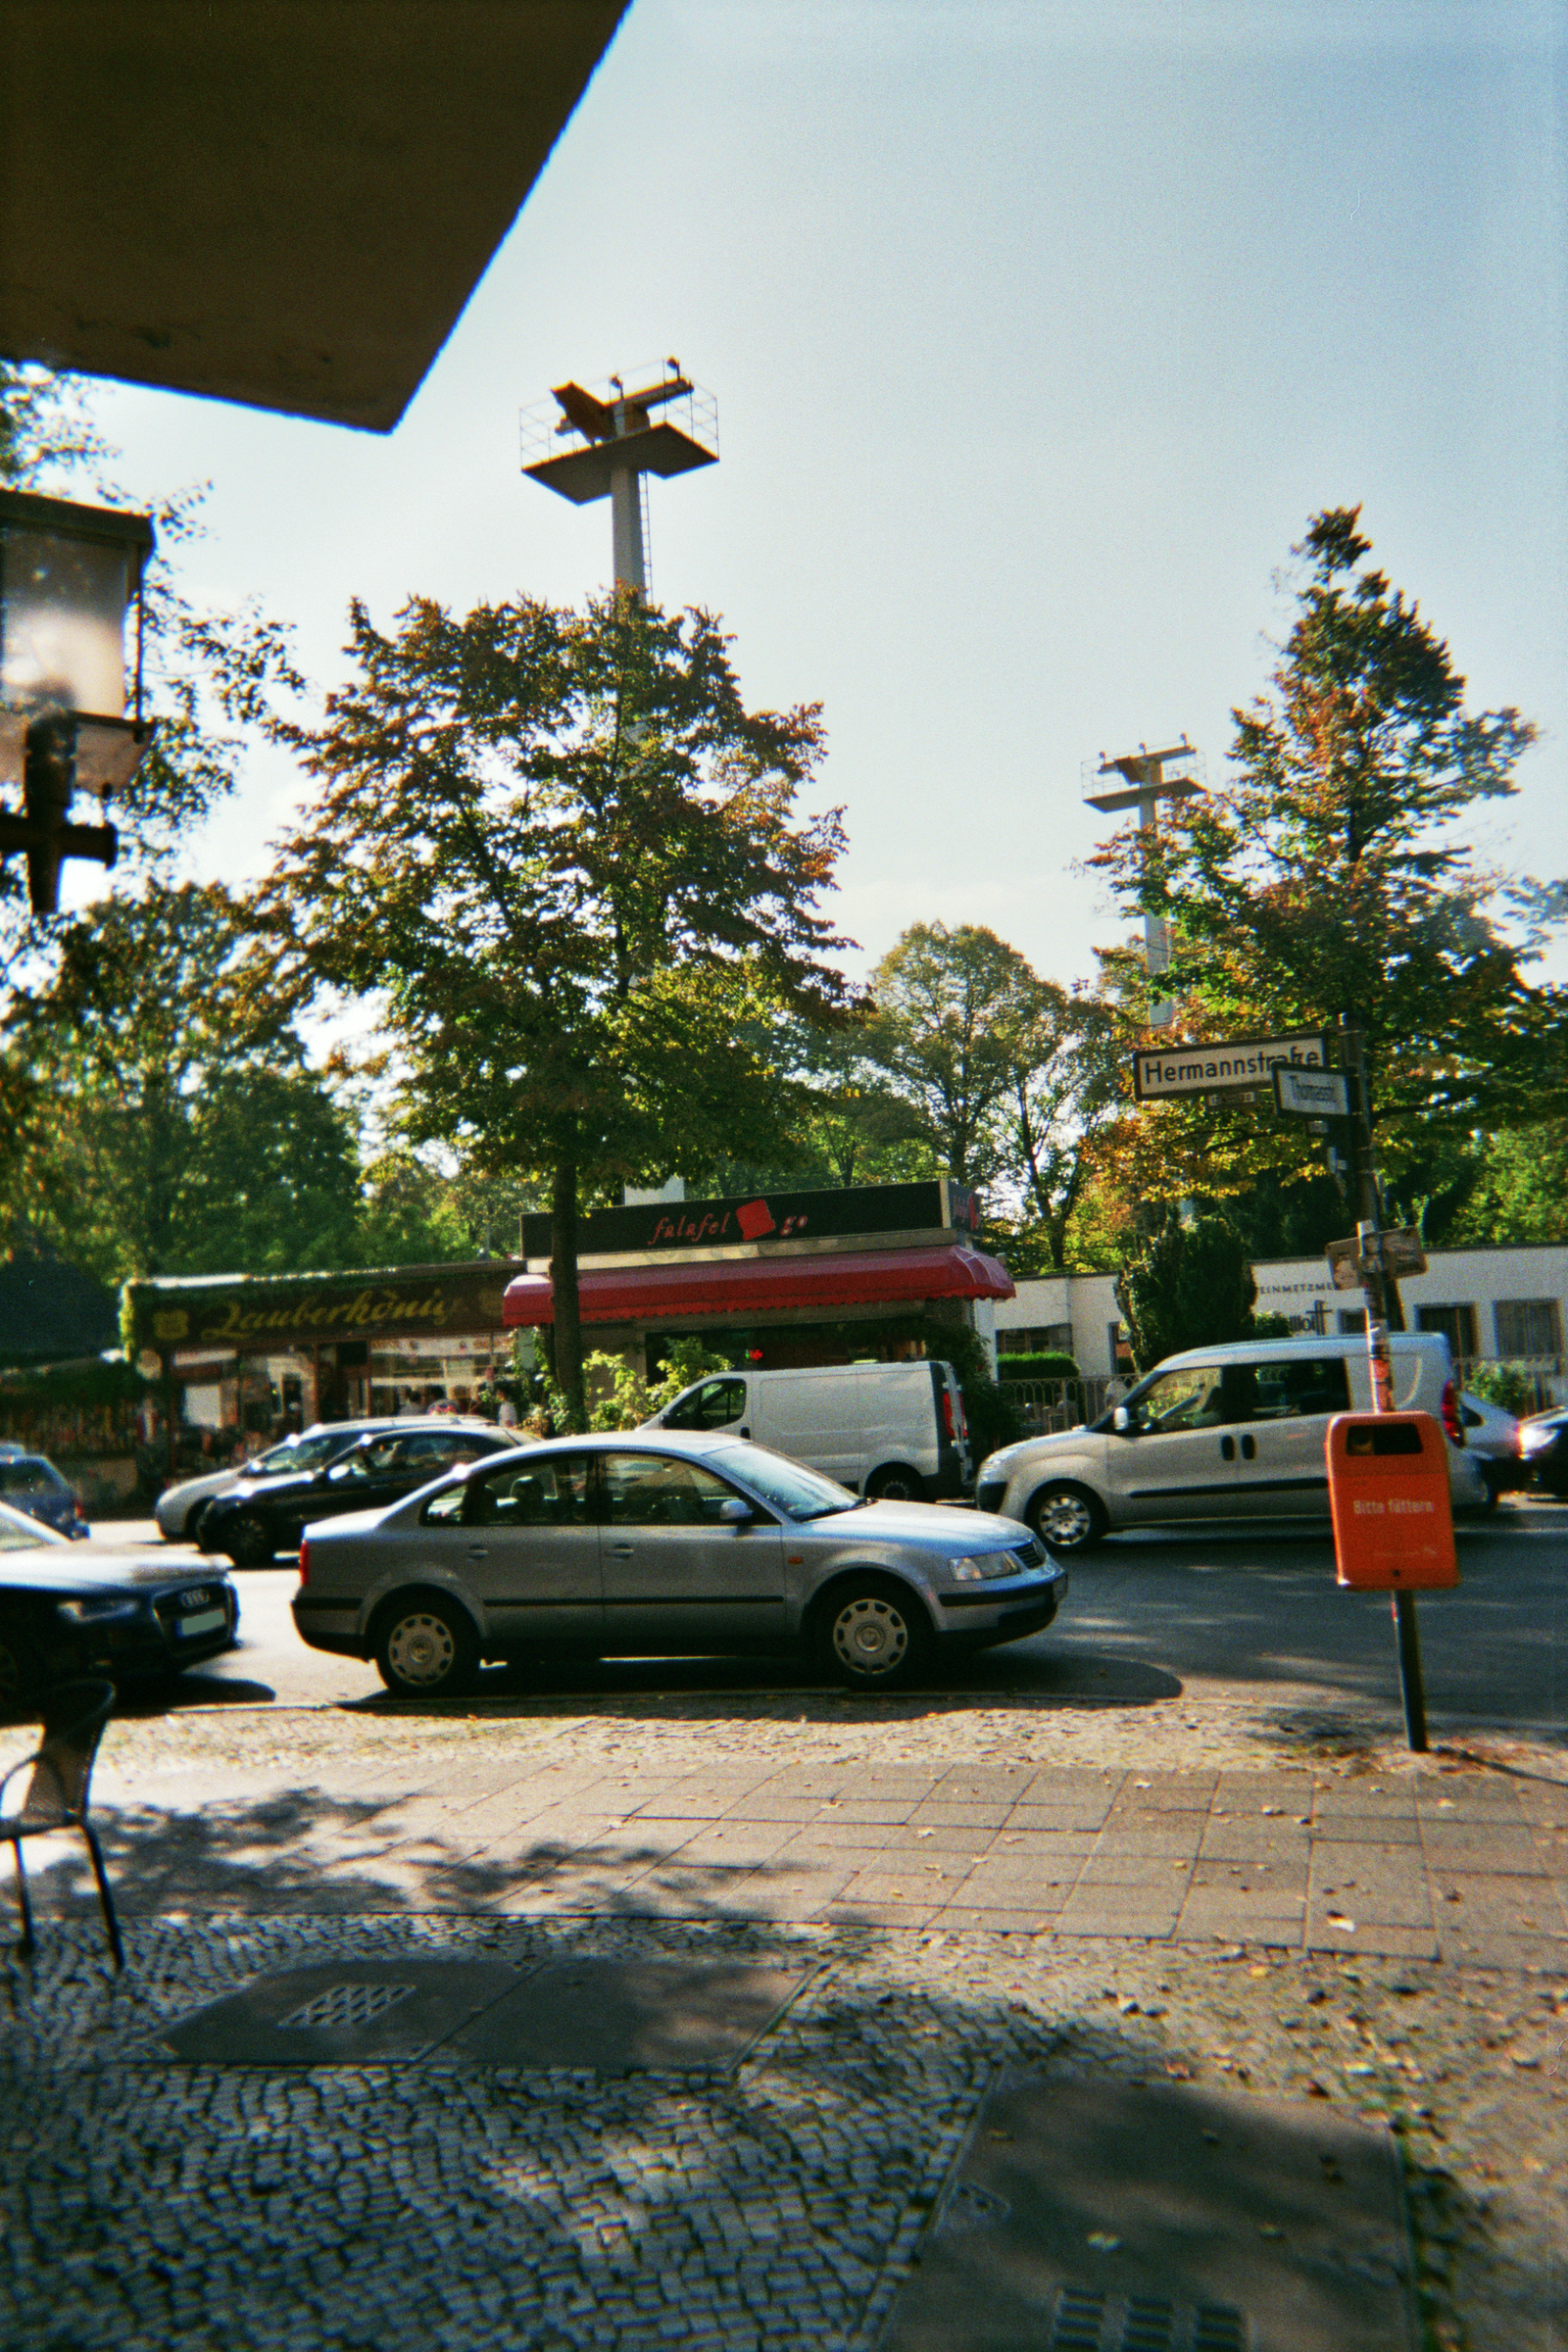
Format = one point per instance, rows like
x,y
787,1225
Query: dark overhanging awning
x,y
748,1287
285,204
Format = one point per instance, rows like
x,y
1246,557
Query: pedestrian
x,y
506,1412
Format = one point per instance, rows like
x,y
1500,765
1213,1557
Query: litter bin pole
x,y
1413,1690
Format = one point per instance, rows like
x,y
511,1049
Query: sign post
x,y
1376,1275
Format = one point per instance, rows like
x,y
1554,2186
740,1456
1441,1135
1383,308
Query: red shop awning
x,y
747,1286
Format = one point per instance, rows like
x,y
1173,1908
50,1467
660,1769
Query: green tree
x,y
1518,1188
174,1124
1332,876
560,849
947,1004
1185,1283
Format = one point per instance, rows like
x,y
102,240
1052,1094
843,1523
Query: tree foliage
x,y
560,851
1332,877
1185,1283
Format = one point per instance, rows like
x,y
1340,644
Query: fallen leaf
x,y
925,1833
1103,2241
1178,2070
1520,2058
1337,1919
1317,2089
1268,1809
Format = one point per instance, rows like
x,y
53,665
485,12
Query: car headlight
x,y
1537,1440
101,1606
979,1565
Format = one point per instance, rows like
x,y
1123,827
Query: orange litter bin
x,y
1390,1497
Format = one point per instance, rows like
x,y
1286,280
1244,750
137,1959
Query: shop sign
x,y
254,1315
866,1209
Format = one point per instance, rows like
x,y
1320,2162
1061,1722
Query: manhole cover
x,y
352,2004
1106,2217
1087,2320
615,2016
341,2013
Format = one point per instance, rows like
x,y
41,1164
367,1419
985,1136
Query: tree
x,y
1331,878
1185,1283
560,849
947,1006
174,1124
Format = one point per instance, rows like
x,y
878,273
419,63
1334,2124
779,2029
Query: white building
x,y
1500,1302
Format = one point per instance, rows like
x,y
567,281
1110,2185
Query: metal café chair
x,y
74,1717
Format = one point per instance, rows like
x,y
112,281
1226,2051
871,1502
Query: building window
x,y
1457,1325
1528,1327
1041,1339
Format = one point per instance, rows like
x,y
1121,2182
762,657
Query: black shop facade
x,y
774,1280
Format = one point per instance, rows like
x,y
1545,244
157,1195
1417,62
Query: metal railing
x,y
1047,1405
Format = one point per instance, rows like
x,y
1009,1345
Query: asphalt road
x,y
1174,1623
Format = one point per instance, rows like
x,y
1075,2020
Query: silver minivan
x,y
1220,1432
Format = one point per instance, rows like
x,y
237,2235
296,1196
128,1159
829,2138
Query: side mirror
x,y
735,1514
1121,1421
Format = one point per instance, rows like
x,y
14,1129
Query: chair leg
x,y
104,1895
25,1948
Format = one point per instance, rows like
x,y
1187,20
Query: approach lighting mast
x,y
613,442
1143,783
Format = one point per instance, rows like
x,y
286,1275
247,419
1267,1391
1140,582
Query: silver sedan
x,y
663,1545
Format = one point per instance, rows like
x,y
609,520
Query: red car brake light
x,y
1450,1409
305,1559
947,1412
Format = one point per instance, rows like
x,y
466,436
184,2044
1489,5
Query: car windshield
x,y
799,1494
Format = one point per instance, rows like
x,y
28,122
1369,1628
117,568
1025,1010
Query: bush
x,y
1043,1364
1505,1384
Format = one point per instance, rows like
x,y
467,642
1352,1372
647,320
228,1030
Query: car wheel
x,y
1067,1519
426,1649
248,1540
897,1483
870,1635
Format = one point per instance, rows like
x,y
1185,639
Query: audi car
x,y
131,1620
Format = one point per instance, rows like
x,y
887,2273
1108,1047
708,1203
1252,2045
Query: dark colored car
x,y
131,1620
1544,1450
31,1483
259,1518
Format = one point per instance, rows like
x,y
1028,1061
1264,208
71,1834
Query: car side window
x,y
27,1478
1288,1391
1189,1399
548,1490
654,1490
446,1508
715,1405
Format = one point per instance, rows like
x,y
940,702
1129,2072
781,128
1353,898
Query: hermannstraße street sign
x,y
1232,1065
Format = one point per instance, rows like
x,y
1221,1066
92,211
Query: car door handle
x,y
1248,1450
744,1433
478,1551
624,1551
1227,1449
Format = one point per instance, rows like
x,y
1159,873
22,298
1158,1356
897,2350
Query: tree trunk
x,y
564,1291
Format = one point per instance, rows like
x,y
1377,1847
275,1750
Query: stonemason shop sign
x,y
859,1210
258,1316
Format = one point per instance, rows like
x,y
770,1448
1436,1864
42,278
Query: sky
x,y
1038,331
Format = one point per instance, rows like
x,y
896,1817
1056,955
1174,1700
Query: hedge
x,y
1044,1366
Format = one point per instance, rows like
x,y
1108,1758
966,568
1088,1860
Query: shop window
x,y
1457,1325
1528,1327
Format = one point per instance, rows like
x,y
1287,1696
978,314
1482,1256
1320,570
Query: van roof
x,y
1334,1343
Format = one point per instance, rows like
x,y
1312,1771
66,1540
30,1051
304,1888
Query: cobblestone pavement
x,y
974,1888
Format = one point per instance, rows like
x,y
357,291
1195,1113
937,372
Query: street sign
x,y
1233,1065
1313,1094
1403,1254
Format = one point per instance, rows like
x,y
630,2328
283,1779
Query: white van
x,y
895,1433
1221,1432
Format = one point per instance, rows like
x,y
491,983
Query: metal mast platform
x,y
613,440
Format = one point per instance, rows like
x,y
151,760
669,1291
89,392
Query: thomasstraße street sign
x,y
1311,1094
1403,1254
1232,1065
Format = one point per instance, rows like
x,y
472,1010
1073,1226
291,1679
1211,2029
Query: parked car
x,y
260,1517
131,1620
663,1545
892,1431
1492,1439
1220,1432
1544,1450
31,1483
178,1510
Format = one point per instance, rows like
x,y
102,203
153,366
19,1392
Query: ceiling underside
x,y
280,202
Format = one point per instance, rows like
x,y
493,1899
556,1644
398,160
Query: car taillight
x,y
1450,1409
305,1559
947,1412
